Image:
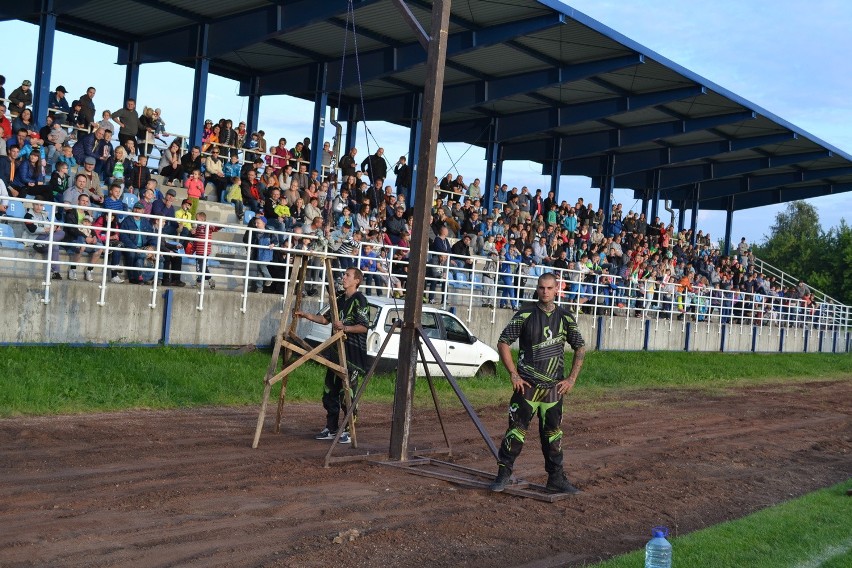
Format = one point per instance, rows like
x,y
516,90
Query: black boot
x,y
504,476
558,482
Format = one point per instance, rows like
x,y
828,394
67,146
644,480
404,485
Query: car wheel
x,y
487,369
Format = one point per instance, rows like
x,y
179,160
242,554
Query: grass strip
x,y
63,379
808,532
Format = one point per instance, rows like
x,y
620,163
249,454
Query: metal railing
x,y
456,282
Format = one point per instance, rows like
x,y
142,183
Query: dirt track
x,y
184,488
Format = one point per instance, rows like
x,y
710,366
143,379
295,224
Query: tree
x,y
797,245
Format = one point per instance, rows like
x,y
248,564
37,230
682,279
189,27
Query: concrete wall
x,y
74,316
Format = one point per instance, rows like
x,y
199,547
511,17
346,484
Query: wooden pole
x,y
432,99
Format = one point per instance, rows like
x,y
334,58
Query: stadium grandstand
x,y
112,200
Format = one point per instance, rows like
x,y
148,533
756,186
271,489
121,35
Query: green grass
x,y
60,380
814,530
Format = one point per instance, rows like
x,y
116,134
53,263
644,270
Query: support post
x,y
645,203
607,187
414,133
253,112
556,167
432,99
655,206
492,154
351,136
44,60
320,105
693,222
199,87
131,72
729,225
681,219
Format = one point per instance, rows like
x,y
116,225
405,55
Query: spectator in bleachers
x,y
147,198
191,161
88,105
58,101
130,147
250,145
25,121
170,259
21,97
92,180
139,237
113,200
106,123
37,221
185,217
76,119
170,166
127,119
203,248
375,166
297,156
146,131
5,123
104,154
120,166
279,155
30,178
251,189
214,171
165,207
262,244
369,267
348,164
137,178
194,185
59,181
234,196
274,213
9,165
256,166
67,233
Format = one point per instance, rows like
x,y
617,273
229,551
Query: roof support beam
x,y
710,170
413,23
529,123
772,197
732,186
401,57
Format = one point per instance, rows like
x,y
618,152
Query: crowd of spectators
x,y
624,262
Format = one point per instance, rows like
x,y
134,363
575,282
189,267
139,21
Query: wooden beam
x,y
413,23
432,99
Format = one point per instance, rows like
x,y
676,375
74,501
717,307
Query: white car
x,y
464,354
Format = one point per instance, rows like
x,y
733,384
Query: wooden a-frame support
x,y
291,343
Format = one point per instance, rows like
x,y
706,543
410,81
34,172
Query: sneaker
x,y
504,476
117,279
559,483
326,434
56,276
72,274
211,284
179,283
344,438
88,276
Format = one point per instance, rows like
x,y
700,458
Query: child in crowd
x,y
203,247
184,214
234,195
59,181
283,212
194,189
262,243
67,157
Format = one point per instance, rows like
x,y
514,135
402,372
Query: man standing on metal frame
x,y
353,320
542,329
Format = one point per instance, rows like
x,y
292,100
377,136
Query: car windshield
x,y
428,321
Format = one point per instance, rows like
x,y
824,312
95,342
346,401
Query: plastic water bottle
x,y
658,551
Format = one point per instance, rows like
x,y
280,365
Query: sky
x,y
789,57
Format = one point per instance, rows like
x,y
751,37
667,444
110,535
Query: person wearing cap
x,y
57,100
138,236
76,119
165,207
21,97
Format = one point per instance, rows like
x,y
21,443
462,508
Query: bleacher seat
x,y
7,237
248,216
129,200
16,209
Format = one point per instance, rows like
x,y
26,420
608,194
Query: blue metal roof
x,y
544,80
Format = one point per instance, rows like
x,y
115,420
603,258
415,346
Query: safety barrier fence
x,y
459,283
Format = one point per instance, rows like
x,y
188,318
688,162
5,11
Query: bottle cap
x,y
660,532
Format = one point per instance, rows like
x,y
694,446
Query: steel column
x,y
645,203
492,153
414,133
199,87
131,72
655,206
729,225
693,222
351,135
320,105
681,219
556,168
44,61
253,111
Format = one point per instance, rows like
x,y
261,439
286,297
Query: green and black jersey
x,y
353,311
541,340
